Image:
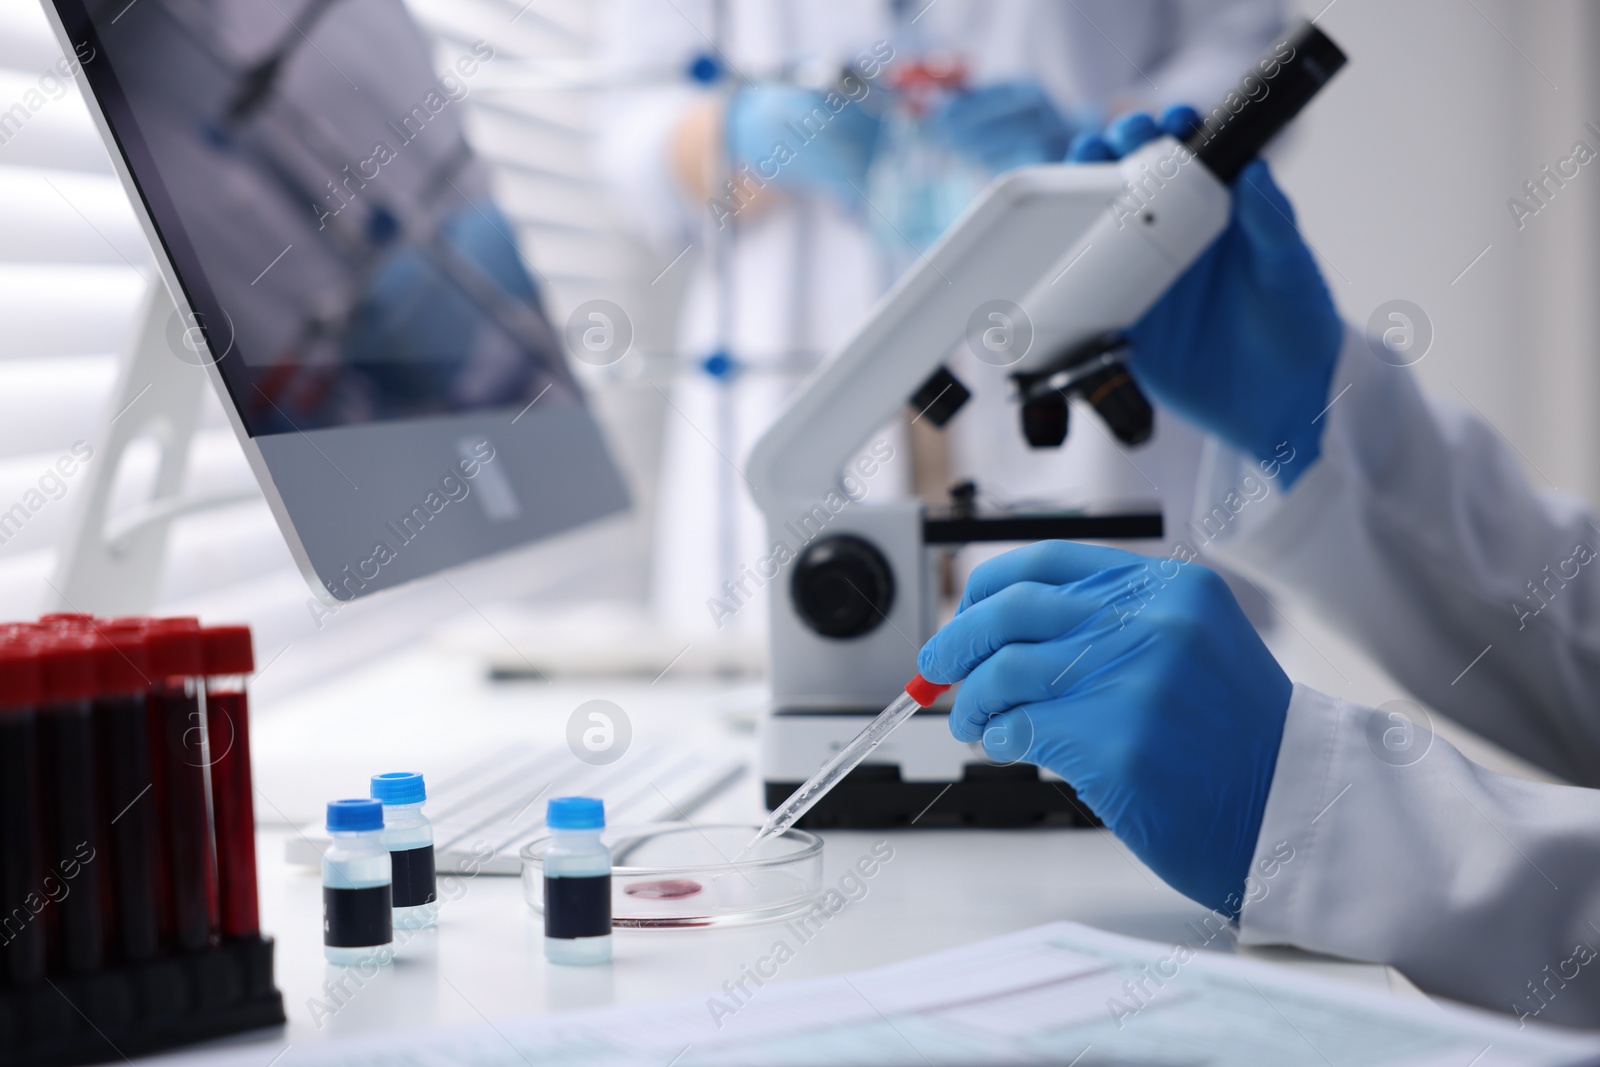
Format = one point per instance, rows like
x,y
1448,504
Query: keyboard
x,y
484,814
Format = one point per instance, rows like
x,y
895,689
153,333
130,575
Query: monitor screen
x,y
307,172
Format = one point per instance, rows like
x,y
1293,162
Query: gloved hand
x,y
1245,342
792,138
1003,126
1138,681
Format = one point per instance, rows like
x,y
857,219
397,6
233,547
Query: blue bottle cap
x,y
575,813
399,787
360,814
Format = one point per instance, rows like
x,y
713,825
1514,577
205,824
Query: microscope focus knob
x,y
842,587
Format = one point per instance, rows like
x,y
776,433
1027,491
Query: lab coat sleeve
x,y
1417,535
1401,851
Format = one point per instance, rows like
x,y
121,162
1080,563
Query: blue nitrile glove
x,y
794,138
1003,126
1137,680
1245,342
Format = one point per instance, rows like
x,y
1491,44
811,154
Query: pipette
x,y
919,693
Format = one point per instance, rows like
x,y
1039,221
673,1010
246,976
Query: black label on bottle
x,y
413,877
577,907
356,918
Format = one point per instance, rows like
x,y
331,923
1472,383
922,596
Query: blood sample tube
x,y
22,945
122,669
228,659
156,751
177,726
74,851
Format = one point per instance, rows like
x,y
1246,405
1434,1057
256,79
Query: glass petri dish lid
x,y
677,875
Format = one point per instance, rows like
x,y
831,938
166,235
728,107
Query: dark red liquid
x,y
133,828
191,871
74,852
161,854
21,931
228,726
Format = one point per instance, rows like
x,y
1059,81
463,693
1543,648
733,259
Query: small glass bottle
x,y
408,835
577,883
356,922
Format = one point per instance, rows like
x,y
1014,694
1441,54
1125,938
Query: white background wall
x,y
1401,173
1401,176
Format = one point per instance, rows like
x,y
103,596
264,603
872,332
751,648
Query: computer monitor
x,y
321,222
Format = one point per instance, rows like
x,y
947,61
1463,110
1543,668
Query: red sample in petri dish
x,y
666,889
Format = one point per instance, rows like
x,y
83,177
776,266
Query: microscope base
x,y
919,776
874,797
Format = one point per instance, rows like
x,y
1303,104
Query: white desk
x,y
485,961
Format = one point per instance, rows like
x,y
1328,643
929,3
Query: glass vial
x,y
577,883
356,921
408,835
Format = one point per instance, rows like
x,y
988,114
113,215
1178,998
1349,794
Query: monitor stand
x,y
112,564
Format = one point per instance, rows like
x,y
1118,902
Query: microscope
x,y
1068,256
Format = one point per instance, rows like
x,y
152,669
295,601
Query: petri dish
x,y
677,875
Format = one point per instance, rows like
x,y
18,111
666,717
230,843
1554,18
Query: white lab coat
x,y
806,271
1418,536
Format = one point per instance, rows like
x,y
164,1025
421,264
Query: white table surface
x,y
430,710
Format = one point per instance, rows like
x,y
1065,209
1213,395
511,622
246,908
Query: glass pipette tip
x,y
918,693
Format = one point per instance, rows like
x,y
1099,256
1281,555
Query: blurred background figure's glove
x,y
1137,680
1002,126
1244,344
792,138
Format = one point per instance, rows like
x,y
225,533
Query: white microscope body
x,y
1082,250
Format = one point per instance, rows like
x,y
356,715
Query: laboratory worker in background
x,y
1331,478
830,204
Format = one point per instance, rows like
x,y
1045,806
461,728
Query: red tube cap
x,y
175,649
122,662
67,662
21,685
66,619
228,650
923,691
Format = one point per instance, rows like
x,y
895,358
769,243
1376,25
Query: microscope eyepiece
x,y
1271,93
